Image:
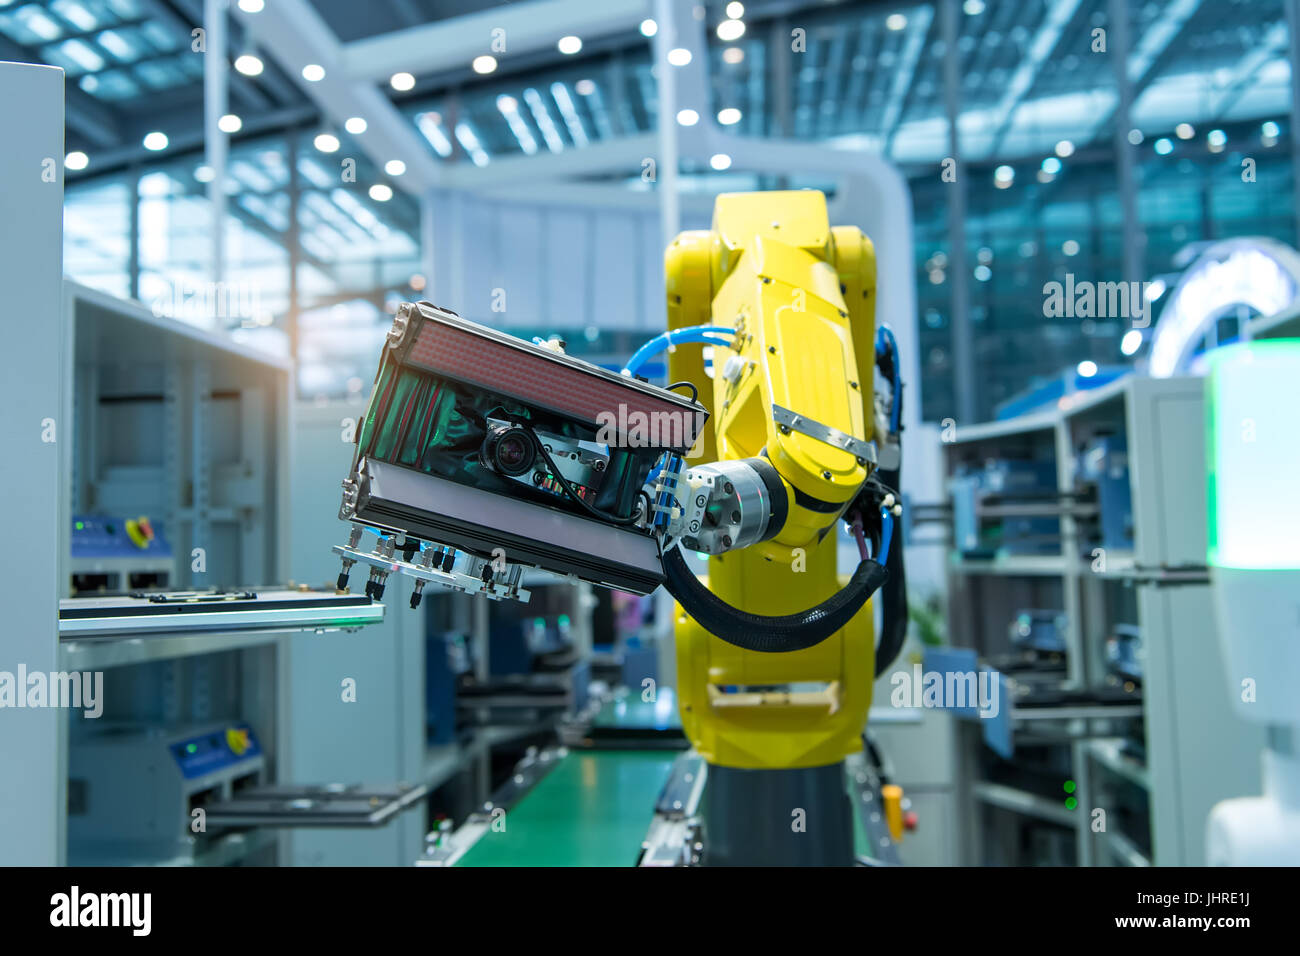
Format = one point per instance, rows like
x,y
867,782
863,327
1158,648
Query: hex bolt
x,y
728,489
826,475
726,540
735,517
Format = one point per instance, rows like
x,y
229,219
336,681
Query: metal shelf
x,y
1022,565
1124,849
1106,751
1024,425
105,653
1021,801
444,761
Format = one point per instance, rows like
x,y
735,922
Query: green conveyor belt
x,y
593,809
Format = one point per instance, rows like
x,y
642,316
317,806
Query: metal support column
x,y
1125,166
428,260
293,243
1292,8
963,339
666,167
133,236
781,88
215,93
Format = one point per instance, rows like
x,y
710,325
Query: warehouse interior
x,y
472,433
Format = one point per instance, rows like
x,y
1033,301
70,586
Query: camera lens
x,y
512,453
509,450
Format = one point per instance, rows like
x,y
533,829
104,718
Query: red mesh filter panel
x,y
483,362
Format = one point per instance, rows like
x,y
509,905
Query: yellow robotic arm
x,y
796,390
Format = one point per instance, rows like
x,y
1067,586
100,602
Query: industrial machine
x,y
1254,559
146,793
481,455
135,790
1102,466
1006,506
119,554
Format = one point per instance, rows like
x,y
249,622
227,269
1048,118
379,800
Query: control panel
x,y
116,555
215,750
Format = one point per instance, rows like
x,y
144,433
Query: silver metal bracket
x,y
789,421
467,574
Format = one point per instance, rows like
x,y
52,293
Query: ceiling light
x,y
251,6
1064,149
1051,165
327,143
230,123
679,56
1086,368
484,64
649,28
1003,176
687,117
155,141
1131,342
733,55
585,87
313,72
355,125
204,174
394,167
1164,146
729,30
381,192
1217,139
973,8
248,65
569,45
735,10
402,82
1184,131
1271,129
720,161
1135,137
895,21
729,117
1070,247
76,160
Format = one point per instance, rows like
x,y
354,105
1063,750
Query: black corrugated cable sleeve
x,y
777,634
893,622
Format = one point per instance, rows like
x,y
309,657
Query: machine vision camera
x,y
481,454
